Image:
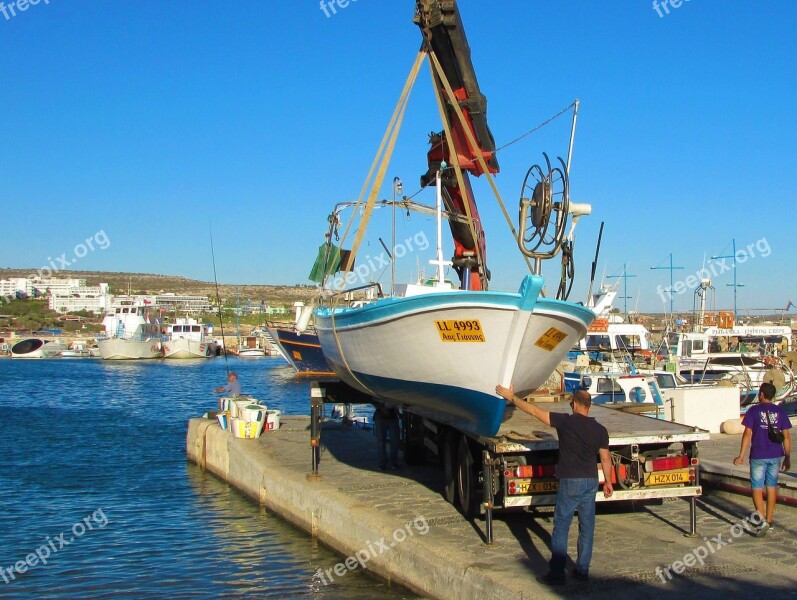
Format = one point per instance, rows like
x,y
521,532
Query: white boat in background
x,y
36,348
755,360
251,346
132,331
609,333
77,349
187,338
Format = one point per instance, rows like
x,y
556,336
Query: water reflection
x,y
86,434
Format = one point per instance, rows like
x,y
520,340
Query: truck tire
x,y
414,449
449,459
467,488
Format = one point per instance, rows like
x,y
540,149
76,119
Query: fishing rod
x,y
595,264
218,301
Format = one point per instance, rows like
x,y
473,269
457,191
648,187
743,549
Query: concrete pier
x,y
718,471
398,526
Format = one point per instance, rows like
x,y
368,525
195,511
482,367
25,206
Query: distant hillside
x,y
274,295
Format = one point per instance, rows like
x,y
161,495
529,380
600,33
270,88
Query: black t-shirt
x,y
580,438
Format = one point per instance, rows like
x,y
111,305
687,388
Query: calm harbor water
x,y
95,450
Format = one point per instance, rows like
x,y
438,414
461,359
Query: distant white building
x,y
94,299
183,303
10,287
71,295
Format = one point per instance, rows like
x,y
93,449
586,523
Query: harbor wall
x,y
337,519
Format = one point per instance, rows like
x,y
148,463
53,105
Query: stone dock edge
x,y
337,520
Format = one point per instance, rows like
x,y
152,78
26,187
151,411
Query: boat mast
x,y
439,215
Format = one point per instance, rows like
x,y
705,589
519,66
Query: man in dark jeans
x,y
582,441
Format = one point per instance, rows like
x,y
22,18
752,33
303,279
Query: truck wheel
x,y
466,481
414,449
449,460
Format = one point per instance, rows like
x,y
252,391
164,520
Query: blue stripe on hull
x,y
465,409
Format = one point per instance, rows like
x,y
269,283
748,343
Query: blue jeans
x,y
764,472
573,494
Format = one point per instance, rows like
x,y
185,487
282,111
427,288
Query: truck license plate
x,y
536,487
668,477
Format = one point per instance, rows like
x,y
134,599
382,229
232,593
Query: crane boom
x,y
444,35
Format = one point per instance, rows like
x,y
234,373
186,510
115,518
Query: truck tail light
x,y
532,471
668,464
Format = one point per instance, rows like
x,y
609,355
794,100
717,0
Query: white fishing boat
x,y
251,346
609,333
37,348
77,349
436,348
442,351
132,332
756,358
187,338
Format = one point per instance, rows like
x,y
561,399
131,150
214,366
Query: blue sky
x,y
147,120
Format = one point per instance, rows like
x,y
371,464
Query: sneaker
x,y
552,579
579,576
763,530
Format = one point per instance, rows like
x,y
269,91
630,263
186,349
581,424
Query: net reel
x,y
544,209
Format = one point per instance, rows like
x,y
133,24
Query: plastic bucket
x,y
238,404
252,412
225,403
245,430
224,419
272,420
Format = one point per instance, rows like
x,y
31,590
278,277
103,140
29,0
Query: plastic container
x,y
238,404
245,430
224,419
272,420
253,412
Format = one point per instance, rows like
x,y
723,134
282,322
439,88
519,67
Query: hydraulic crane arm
x,y
443,33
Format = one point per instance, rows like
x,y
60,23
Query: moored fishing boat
x,y
301,349
187,338
77,349
132,332
36,348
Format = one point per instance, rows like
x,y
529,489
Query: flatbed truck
x,y
516,468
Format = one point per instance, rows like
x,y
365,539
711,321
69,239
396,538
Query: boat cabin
x,y
758,339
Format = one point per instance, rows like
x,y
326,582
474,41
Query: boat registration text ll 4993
x,y
550,339
461,330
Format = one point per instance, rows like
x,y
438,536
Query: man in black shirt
x,y
582,440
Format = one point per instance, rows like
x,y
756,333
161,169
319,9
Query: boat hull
x,y
36,348
251,353
182,348
75,354
409,351
302,351
121,349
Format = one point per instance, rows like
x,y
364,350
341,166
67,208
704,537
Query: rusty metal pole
x,y
487,477
316,412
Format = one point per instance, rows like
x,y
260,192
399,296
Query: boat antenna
x,y
218,300
595,264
